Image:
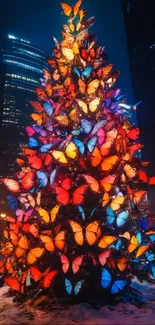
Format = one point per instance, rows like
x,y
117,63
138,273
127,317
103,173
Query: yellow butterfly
x,y
68,54
92,106
88,88
64,120
49,216
70,151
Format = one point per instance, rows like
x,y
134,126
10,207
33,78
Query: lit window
x,y
24,66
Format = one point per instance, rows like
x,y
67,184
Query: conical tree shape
x,y
76,198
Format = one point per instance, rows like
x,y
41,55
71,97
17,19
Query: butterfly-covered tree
x,y
77,223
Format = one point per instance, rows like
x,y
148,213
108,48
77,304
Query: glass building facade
x,y
20,68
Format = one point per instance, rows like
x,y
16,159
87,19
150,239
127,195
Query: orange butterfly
x,y
23,249
115,203
96,157
106,241
109,162
69,11
50,243
89,88
135,196
90,233
106,183
104,72
63,197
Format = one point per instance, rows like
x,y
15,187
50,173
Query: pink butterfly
x,y
22,216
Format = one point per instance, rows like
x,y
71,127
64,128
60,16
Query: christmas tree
x,y
77,200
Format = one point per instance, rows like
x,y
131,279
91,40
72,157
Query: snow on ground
x,y
124,313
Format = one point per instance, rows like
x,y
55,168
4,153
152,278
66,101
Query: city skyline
x,y
39,24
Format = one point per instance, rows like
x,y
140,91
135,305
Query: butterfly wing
x,y
78,195
91,144
110,216
92,232
78,232
118,286
104,256
86,126
92,182
34,254
59,240
35,273
68,286
65,263
13,283
62,196
105,278
106,241
77,287
48,279
122,218
76,263
80,145
42,178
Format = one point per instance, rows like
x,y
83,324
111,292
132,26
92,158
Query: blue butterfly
x,y
150,256
117,245
33,143
70,289
52,176
86,126
49,109
139,237
120,218
90,145
81,210
106,281
46,147
86,72
152,238
76,132
12,202
42,178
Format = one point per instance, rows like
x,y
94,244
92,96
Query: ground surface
x,y
82,314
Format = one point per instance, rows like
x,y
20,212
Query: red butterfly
x,y
64,197
75,264
46,277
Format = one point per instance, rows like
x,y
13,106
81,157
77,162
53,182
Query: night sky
x,y
38,20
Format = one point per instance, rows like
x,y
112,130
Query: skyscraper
x,y
21,68
140,27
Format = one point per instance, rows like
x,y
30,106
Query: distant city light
x,y
3,215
